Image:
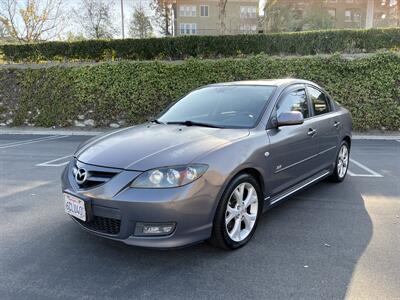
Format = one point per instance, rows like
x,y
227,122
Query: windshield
x,y
220,106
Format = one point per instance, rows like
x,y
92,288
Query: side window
x,y
294,101
319,100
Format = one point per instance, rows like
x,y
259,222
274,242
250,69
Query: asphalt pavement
x,y
332,241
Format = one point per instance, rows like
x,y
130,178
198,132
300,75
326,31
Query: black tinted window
x,y
294,101
226,106
319,101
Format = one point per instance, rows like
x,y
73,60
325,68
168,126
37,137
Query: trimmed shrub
x,y
295,43
133,91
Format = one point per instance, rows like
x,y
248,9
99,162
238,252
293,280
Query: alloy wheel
x,y
343,161
241,212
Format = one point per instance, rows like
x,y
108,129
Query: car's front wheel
x,y
342,163
237,213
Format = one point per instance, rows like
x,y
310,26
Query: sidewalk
x,y
63,131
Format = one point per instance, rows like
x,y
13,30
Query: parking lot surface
x,y
331,241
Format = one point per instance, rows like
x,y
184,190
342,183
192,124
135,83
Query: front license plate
x,y
75,207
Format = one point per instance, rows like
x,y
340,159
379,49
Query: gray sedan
x,y
209,165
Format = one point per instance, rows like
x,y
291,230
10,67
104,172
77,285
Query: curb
x,y
45,131
376,137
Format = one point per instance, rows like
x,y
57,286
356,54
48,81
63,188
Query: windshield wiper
x,y
156,121
193,123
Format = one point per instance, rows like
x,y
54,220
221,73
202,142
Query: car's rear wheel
x,y
238,212
342,163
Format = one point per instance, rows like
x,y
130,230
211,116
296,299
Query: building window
x,y
332,13
204,10
188,28
347,16
349,1
248,12
248,28
187,10
352,16
357,17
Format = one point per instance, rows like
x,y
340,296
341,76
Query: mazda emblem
x,y
81,176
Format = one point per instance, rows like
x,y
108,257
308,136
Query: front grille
x,y
95,177
102,225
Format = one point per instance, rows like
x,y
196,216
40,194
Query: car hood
x,y
145,147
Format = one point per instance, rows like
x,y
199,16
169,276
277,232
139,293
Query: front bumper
x,y
114,209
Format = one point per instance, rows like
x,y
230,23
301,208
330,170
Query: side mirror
x,y
290,118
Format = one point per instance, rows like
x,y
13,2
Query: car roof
x,y
273,82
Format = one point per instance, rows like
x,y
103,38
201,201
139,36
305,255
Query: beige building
x,y
201,17
351,13
362,13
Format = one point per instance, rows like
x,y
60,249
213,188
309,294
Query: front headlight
x,y
168,177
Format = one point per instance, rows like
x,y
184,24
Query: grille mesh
x,y
103,225
97,178
94,178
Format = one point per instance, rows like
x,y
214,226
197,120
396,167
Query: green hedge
x,y
302,43
134,91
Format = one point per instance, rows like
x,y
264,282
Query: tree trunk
x,y
222,15
166,8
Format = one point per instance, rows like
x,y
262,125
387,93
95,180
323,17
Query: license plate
x,y
75,207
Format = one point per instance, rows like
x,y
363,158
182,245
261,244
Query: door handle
x,y
336,124
312,131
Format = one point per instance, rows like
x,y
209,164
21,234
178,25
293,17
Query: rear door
x,y
293,149
327,122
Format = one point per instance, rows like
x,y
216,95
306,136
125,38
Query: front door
x,y
293,149
328,126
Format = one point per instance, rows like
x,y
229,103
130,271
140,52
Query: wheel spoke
x,y
250,198
343,152
239,192
232,212
249,220
235,233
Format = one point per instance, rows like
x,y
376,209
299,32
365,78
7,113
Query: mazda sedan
x,y
209,165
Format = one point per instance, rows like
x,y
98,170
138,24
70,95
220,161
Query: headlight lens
x,y
168,177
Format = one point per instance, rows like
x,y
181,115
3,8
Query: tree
x,y
95,17
317,18
140,25
31,20
279,18
163,13
3,31
74,37
398,13
389,14
222,15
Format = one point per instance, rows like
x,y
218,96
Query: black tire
x,y
220,237
335,177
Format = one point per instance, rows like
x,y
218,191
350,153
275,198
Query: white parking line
x,y
25,142
51,163
372,173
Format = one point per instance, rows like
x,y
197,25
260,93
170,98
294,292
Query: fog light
x,y
149,229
